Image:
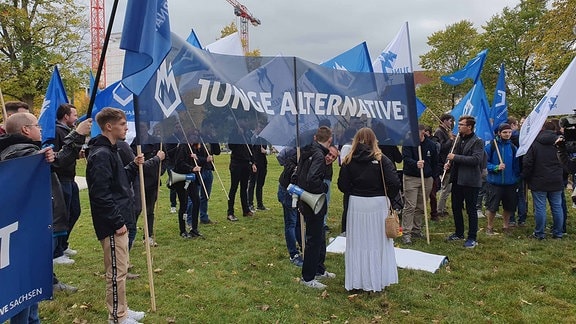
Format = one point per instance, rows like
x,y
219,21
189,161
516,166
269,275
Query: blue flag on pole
x,y
193,40
146,39
475,104
499,110
25,234
420,107
471,70
356,59
118,96
55,96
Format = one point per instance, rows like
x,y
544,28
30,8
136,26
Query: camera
x,y
569,125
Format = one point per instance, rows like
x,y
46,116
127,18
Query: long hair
x,y
367,137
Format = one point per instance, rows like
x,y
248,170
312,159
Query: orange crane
x,y
97,34
245,16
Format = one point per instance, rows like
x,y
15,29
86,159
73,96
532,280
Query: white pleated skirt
x,y
369,258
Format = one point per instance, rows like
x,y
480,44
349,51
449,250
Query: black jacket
x,y
149,150
109,187
468,162
541,168
66,172
363,176
312,169
17,145
429,155
443,136
202,153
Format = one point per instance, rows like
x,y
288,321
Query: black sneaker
x,y
262,207
194,234
232,218
251,208
454,237
184,235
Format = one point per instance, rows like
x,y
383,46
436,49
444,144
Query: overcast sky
x,y
317,30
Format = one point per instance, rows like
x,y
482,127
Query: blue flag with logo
x,y
471,70
55,96
193,40
118,96
146,39
356,59
475,104
499,110
420,107
25,234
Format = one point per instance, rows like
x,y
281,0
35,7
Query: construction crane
x,y
97,34
245,16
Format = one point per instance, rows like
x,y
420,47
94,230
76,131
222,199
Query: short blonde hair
x,y
107,115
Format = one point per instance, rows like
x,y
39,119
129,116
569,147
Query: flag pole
x,y
302,223
144,211
101,61
425,208
4,112
451,151
157,194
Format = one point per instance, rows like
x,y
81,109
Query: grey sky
x,y
317,30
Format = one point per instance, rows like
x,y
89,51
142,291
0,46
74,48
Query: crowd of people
x,y
444,164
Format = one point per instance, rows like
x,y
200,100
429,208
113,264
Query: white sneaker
x,y
151,242
69,252
480,214
135,315
313,284
64,259
172,210
326,274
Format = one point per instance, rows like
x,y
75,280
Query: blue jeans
x,y
291,221
208,178
28,315
555,200
72,199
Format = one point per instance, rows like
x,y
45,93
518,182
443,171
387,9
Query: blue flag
x,y
146,39
420,107
356,59
499,110
471,70
55,96
193,40
118,96
475,104
25,234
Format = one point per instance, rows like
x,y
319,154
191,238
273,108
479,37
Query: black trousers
x,y
239,175
315,248
468,195
183,195
257,181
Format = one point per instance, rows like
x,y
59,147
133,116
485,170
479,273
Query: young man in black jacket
x,y
311,174
111,204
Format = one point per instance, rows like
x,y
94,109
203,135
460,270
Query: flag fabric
x,y
118,96
25,234
55,96
420,107
230,45
471,70
499,110
146,39
193,86
397,56
193,40
475,104
559,100
356,59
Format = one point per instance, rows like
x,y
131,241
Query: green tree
x,y
509,39
35,35
451,49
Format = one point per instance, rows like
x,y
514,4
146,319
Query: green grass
x,y
240,274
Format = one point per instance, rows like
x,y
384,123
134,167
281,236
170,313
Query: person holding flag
x,y
465,163
502,179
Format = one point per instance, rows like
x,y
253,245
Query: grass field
x,y
241,274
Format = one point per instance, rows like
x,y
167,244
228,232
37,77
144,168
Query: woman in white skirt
x,y
369,258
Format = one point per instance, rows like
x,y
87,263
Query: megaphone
x,y
174,177
315,201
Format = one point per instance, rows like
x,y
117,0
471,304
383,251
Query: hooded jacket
x,y
540,167
109,187
511,173
363,176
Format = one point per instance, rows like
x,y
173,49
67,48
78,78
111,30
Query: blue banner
x,y
55,96
25,234
499,110
471,70
146,39
475,104
238,92
356,59
118,96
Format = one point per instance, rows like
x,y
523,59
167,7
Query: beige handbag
x,y
392,222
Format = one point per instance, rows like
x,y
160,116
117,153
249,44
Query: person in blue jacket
x,y
503,176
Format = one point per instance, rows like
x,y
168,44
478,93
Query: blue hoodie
x,y
511,174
